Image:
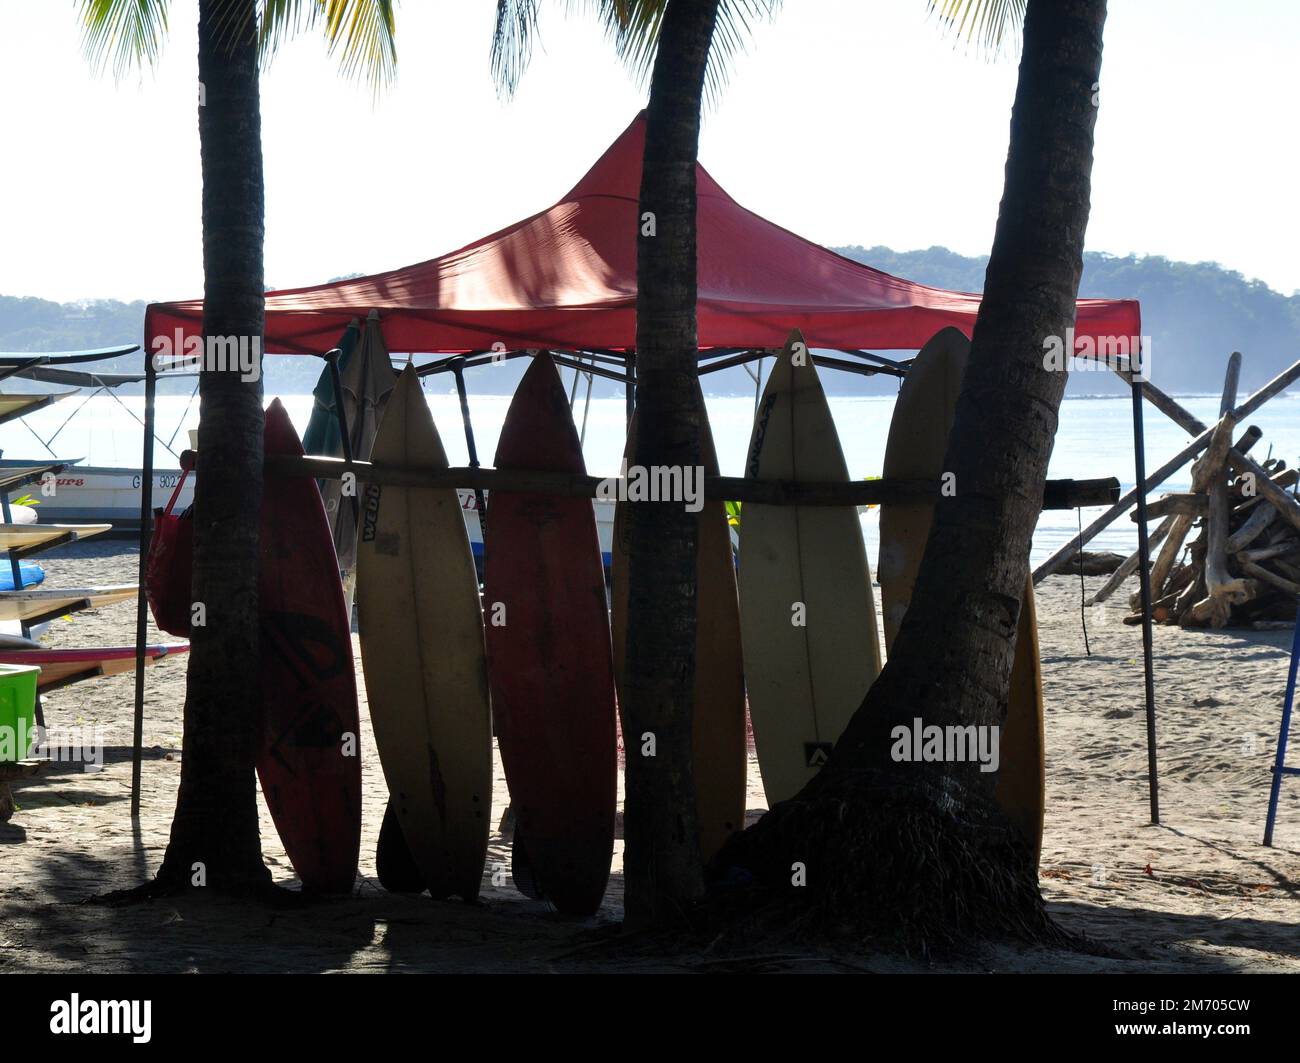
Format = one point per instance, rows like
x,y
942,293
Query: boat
x,y
95,493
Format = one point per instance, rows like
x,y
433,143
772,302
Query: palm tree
x,y
214,838
672,39
921,852
878,833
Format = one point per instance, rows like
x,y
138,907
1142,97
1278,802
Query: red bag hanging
x,y
170,565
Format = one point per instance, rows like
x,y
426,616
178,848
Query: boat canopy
x,y
566,279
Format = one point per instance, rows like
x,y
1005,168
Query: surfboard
x,y
807,611
551,666
309,755
395,867
918,438
718,737
61,668
24,536
422,652
52,602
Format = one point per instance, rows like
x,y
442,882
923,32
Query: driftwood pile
x,y
1242,563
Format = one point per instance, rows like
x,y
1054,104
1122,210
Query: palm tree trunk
x,y
216,824
662,862
922,847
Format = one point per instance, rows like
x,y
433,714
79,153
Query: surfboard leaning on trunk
x,y
422,650
918,438
551,665
807,612
718,740
309,756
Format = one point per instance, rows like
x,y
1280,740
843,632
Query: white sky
x,y
850,121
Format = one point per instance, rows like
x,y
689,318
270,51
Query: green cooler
x,y
17,710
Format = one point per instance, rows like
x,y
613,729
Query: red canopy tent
x,y
566,279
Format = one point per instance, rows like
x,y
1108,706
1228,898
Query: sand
x,y
1198,892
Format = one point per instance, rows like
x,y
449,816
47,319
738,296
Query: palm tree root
x,y
913,864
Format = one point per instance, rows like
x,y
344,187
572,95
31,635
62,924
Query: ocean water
x,y
1094,440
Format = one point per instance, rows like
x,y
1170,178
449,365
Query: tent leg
x,y
1144,581
142,604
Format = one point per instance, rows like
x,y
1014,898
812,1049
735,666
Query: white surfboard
x,y
807,612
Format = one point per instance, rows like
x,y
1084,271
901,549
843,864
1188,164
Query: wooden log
x,y
1251,530
1290,548
1057,494
1262,574
1190,595
1287,568
1219,582
1186,503
1238,458
1265,485
1216,610
1209,464
1284,479
1130,564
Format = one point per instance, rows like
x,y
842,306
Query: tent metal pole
x,y
1144,581
142,604
480,502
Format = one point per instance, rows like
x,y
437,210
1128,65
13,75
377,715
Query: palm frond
x,y
281,20
362,33
986,24
122,34
512,43
632,26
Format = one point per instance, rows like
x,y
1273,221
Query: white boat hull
x,y
96,493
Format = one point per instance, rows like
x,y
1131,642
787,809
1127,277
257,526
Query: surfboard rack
x,y
1057,494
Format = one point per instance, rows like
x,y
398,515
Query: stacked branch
x,y
1229,548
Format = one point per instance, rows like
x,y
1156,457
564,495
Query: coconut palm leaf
x,y
986,24
632,26
127,34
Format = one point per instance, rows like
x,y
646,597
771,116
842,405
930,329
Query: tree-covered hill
x,y
1196,313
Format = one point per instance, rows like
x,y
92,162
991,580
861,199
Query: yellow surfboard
x,y
718,739
423,654
918,437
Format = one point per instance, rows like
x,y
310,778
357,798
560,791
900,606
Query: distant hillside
x,y
1195,313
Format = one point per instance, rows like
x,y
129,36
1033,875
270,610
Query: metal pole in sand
x,y
480,503
142,604
1279,764
1144,580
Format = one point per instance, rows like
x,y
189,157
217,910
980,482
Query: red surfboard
x,y
550,662
309,758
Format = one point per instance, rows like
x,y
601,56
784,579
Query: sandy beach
x,y
1198,892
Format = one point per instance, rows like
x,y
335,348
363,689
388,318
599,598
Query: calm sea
x,y
1094,440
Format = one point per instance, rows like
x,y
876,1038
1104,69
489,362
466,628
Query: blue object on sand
x,y
30,572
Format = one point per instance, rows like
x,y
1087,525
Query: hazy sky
x,y
849,121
